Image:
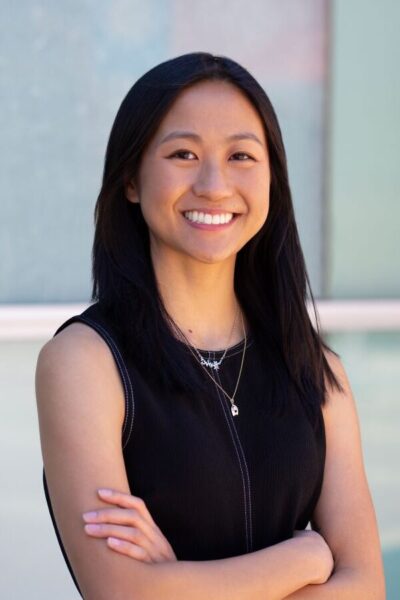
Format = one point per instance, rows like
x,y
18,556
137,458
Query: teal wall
x,y
65,68
364,150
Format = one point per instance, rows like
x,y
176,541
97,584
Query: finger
x,y
126,501
129,549
158,549
152,553
155,550
128,534
123,516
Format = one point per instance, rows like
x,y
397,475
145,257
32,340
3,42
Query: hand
x,y
324,562
129,528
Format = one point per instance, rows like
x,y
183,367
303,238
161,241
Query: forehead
x,y
218,106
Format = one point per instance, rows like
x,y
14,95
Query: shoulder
x,y
77,345
339,403
77,336
78,363
337,366
340,413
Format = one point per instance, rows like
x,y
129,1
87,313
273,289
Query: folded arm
x,y
345,515
80,403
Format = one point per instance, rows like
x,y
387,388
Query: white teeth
x,y
200,217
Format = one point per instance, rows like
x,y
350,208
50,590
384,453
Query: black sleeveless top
x,y
217,485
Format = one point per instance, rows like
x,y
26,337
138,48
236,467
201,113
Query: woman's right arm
x,y
80,401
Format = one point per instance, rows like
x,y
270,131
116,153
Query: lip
x,y
211,226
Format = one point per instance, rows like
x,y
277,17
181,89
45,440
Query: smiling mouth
x,y
212,218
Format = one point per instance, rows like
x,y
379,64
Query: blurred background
x,y
331,70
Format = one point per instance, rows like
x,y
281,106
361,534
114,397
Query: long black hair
x,y
270,280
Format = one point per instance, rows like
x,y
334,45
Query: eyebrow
x,y
244,135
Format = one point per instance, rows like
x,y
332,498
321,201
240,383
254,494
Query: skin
x,y
194,269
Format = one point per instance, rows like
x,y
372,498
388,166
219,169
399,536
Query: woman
x,y
195,389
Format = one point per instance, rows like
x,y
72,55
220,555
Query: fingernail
x,y
105,492
88,516
114,541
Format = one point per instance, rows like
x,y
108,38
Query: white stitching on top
x,y
240,462
246,467
124,374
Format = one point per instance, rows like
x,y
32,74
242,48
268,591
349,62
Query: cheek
x,y
264,201
161,176
157,205
154,199
260,208
256,187
259,193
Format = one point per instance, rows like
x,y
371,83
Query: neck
x,y
200,299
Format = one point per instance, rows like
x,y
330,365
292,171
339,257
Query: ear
x,y
131,192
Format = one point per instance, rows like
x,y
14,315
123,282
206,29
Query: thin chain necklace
x,y
234,408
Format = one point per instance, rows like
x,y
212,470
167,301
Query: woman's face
x,y
209,155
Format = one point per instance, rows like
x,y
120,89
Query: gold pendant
x,y
234,410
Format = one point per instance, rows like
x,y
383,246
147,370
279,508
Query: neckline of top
x,y
219,353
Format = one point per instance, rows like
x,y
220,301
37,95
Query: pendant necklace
x,y
234,407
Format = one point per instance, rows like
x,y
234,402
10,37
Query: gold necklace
x,y
234,408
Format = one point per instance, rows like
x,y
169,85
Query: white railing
x,y
39,321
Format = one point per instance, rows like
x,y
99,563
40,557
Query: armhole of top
x,y
123,371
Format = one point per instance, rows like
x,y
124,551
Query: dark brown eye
x,y
243,154
179,153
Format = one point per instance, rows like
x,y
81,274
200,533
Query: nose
x,y
212,182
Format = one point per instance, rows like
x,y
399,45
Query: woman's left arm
x,y
345,514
